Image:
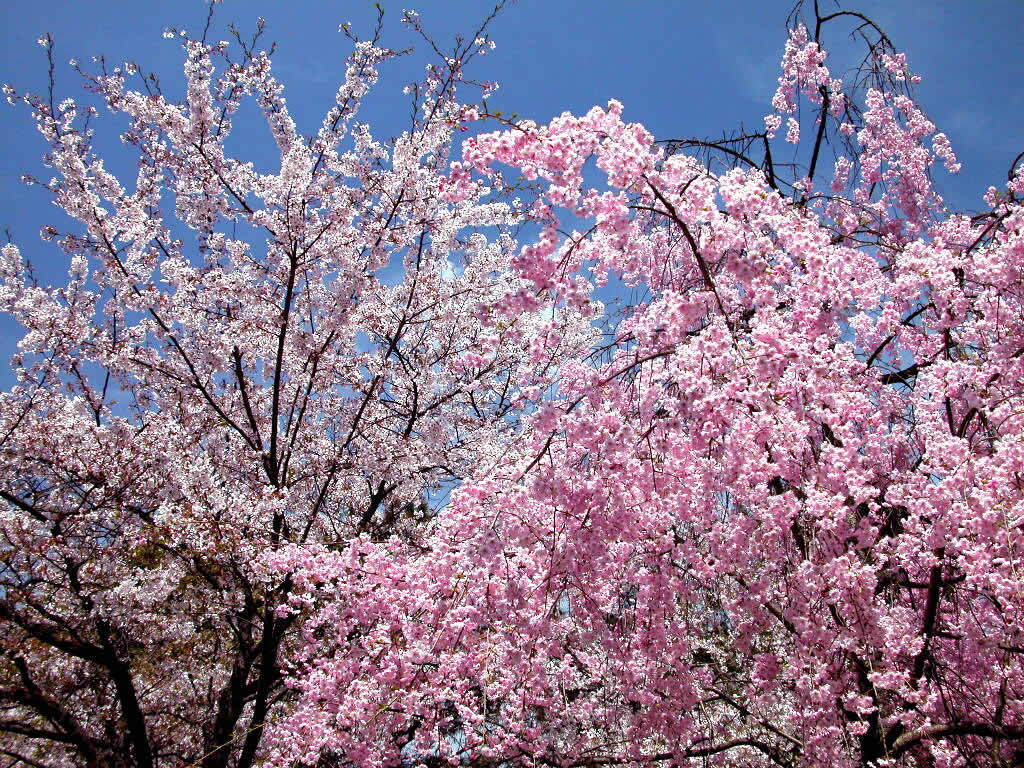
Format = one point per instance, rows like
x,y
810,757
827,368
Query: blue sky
x,y
682,68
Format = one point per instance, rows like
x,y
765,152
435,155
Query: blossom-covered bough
x,y
769,515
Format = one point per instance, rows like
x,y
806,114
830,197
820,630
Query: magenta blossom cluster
x,y
355,463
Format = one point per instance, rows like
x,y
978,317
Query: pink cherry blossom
x,y
350,463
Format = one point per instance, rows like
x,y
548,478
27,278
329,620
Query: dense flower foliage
x,y
358,463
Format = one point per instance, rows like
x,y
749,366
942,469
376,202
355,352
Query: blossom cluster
x,y
349,464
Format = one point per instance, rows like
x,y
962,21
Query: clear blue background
x,y
682,68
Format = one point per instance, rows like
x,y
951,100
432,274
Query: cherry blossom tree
x,y
355,463
228,371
